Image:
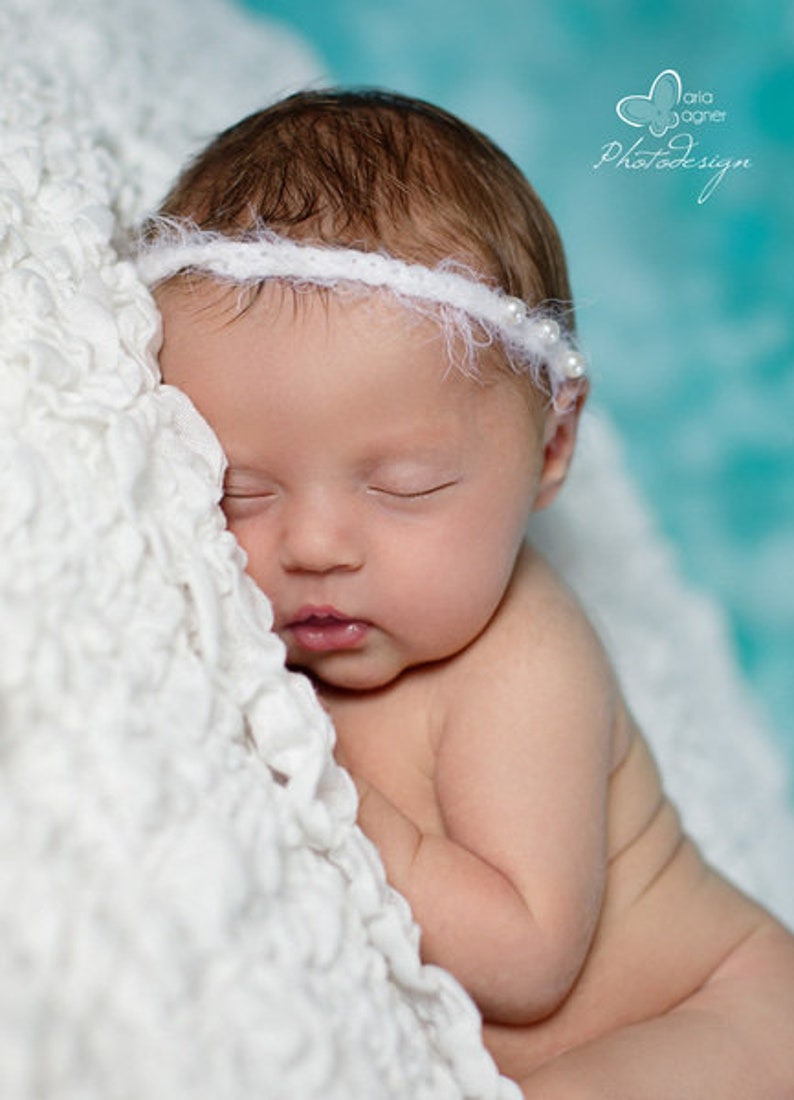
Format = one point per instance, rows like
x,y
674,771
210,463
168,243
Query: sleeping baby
x,y
369,304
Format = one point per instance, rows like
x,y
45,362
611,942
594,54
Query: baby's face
x,y
380,497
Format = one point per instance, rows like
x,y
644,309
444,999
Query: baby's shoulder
x,y
538,644
541,620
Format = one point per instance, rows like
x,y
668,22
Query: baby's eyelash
x,y
246,502
248,495
417,495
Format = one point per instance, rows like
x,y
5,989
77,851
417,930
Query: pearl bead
x,y
549,331
515,311
574,365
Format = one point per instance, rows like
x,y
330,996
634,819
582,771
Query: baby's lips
x,y
325,633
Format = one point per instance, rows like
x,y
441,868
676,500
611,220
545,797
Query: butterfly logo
x,y
654,110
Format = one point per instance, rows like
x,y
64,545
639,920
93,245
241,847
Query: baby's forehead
x,y
474,314
197,308
271,304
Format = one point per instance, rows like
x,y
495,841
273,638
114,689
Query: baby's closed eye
x,y
413,478
418,491
243,494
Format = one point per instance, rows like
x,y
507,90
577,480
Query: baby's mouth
x,y
324,629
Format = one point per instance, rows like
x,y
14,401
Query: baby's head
x,y
381,173
369,304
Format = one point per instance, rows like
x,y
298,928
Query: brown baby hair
x,y
378,171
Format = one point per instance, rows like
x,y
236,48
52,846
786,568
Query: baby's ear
x,y
559,443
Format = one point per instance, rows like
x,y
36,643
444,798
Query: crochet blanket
x,y
187,909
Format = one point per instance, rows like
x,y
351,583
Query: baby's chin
x,y
346,671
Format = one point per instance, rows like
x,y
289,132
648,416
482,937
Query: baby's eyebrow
x,y
434,458
420,447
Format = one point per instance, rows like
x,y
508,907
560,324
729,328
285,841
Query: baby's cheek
x,y
264,575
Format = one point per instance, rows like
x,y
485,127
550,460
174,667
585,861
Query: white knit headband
x,y
533,334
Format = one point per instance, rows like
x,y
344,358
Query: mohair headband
x,y
533,337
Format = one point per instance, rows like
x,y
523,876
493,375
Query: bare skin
x,y
383,500
681,970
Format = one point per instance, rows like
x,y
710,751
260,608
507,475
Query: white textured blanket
x,y
186,908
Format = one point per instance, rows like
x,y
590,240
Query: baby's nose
x,y
320,536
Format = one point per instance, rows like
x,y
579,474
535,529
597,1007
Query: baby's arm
x,y
508,898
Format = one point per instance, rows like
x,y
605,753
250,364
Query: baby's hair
x,y
336,188
378,171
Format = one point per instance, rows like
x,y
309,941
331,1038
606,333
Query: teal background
x,y
685,308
